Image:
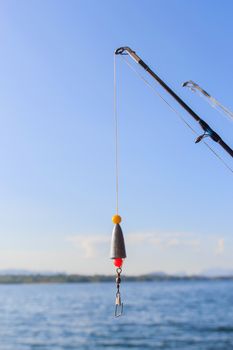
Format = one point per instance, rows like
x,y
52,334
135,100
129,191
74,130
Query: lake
x,y
187,315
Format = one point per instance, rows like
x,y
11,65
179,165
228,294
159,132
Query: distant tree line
x,y
65,278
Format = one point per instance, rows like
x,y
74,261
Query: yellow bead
x,y
116,219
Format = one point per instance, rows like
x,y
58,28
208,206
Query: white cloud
x,y
164,239
89,243
173,242
220,246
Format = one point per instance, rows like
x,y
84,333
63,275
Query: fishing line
x,y
116,132
176,112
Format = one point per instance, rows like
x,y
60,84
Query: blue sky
x,y
57,191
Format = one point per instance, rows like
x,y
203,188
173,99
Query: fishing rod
x,y
210,99
208,131
118,251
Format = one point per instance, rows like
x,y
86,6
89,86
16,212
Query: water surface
x,y
157,315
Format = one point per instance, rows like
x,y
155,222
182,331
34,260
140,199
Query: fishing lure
x,y
118,253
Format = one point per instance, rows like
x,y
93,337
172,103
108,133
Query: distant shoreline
x,y
73,278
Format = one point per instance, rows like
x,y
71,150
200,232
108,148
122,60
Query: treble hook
x,y
119,305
